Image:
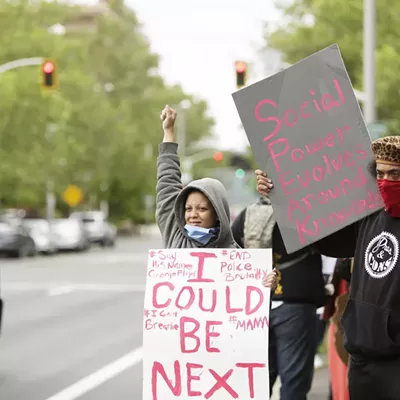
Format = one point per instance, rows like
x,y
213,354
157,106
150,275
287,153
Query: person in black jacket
x,y
300,291
371,321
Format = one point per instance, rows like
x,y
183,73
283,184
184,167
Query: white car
x,y
98,229
69,234
40,231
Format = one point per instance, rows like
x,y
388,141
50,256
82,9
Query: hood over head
x,y
215,191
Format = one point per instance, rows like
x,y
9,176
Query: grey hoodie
x,y
171,198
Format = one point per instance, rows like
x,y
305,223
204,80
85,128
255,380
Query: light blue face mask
x,y
202,235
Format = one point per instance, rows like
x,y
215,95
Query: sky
x,y
199,41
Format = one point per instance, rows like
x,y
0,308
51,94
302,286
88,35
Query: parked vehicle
x,y
41,233
69,234
98,229
15,239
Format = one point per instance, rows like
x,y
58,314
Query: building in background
x,y
85,18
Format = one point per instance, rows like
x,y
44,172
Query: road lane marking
x,y
55,288
115,259
56,291
89,259
99,377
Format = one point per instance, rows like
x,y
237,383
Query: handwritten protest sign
x,y
307,132
206,324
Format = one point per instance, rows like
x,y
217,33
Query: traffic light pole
x,y
188,162
27,62
22,62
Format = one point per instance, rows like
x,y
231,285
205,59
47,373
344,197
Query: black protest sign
x,y
307,132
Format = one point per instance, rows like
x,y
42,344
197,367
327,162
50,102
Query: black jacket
x,y
371,321
300,277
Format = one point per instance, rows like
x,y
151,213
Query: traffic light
x,y
241,70
218,156
240,164
240,173
48,74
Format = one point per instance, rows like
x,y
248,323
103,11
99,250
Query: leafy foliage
x,y
341,22
100,127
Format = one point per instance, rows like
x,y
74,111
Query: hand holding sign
x,y
264,184
271,280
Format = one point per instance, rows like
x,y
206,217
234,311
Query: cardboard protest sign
x,y
205,332
307,133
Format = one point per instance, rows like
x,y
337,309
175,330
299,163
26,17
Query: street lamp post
x,y
50,201
369,61
181,139
181,128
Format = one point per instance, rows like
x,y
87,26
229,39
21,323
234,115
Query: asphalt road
x,y
73,325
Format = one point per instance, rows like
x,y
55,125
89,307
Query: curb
x,y
149,230
141,230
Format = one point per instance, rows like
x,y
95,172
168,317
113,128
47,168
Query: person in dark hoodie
x,y
197,215
371,320
300,291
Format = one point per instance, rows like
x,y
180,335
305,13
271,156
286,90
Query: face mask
x,y
390,192
201,235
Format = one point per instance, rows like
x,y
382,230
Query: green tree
x,y
96,128
341,22
121,56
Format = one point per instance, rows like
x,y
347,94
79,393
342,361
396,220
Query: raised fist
x,y
168,116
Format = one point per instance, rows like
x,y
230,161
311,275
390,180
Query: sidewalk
x,y
320,388
149,230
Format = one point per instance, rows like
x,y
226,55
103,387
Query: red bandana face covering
x,y
390,192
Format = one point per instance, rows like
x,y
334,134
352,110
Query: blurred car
x,y
41,233
69,234
15,239
98,229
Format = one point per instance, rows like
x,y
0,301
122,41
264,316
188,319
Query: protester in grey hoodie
x,y
195,216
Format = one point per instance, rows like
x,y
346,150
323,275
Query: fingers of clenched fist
x,y
168,115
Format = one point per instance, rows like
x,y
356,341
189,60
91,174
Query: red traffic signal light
x,y
48,74
240,66
48,67
218,156
241,69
